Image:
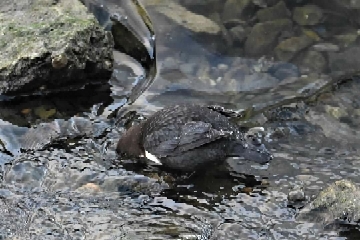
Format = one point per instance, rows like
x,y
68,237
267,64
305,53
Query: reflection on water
x,y
299,50
283,62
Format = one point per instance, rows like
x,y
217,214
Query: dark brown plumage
x,y
188,136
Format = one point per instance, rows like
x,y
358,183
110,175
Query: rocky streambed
x,y
289,67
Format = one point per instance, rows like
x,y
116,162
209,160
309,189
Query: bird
x,y
188,137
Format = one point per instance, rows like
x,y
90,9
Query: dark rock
x,y
346,39
201,7
308,15
131,27
278,11
271,2
238,9
49,44
283,71
288,48
342,7
346,61
263,36
238,33
349,4
312,61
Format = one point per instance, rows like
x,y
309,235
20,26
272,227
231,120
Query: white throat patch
x,y
152,158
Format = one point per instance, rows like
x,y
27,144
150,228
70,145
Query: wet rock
x,y
288,48
346,61
187,68
271,2
326,47
194,22
311,34
66,46
341,8
265,3
44,113
203,6
349,4
46,133
130,26
238,33
238,9
89,187
336,112
222,67
356,112
256,81
26,174
308,15
296,194
284,70
339,201
278,11
9,139
234,22
312,61
346,39
201,3
170,63
291,113
334,128
263,36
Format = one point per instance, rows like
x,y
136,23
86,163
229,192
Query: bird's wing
x,y
186,137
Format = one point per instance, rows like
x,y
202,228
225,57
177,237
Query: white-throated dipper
x,y
187,137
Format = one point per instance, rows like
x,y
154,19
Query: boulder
x,y
48,44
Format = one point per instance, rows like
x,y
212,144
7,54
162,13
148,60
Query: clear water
x,y
77,188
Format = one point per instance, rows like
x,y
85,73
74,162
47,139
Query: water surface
x,y
76,187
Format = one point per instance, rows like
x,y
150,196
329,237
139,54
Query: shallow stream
x,y
294,75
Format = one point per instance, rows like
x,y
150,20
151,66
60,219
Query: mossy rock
x,y
46,44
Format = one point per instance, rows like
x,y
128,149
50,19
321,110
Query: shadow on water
x,y
291,74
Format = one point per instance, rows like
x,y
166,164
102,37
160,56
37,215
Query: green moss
x,y
45,26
